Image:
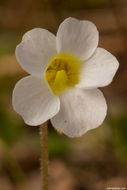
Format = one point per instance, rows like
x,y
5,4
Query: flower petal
x,y
77,37
33,100
99,70
80,111
35,51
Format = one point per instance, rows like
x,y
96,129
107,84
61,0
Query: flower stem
x,y
44,155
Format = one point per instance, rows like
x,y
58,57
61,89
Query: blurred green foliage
x,y
10,130
120,138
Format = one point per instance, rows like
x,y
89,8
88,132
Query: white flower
x,y
65,72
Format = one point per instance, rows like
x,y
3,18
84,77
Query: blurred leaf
x,y
120,138
10,130
10,127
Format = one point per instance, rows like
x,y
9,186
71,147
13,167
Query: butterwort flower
x,y
66,71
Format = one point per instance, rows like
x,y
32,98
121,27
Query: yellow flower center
x,y
62,72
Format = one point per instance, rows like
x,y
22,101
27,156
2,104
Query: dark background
x,y
98,159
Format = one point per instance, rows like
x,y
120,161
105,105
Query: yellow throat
x,y
62,73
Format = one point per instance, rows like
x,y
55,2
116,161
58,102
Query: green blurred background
x,y
98,159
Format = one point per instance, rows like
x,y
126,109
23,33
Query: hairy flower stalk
x,y
44,155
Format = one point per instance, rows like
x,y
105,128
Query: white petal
x,y
80,111
99,70
77,37
35,51
33,101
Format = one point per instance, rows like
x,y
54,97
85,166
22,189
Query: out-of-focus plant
x,y
120,138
